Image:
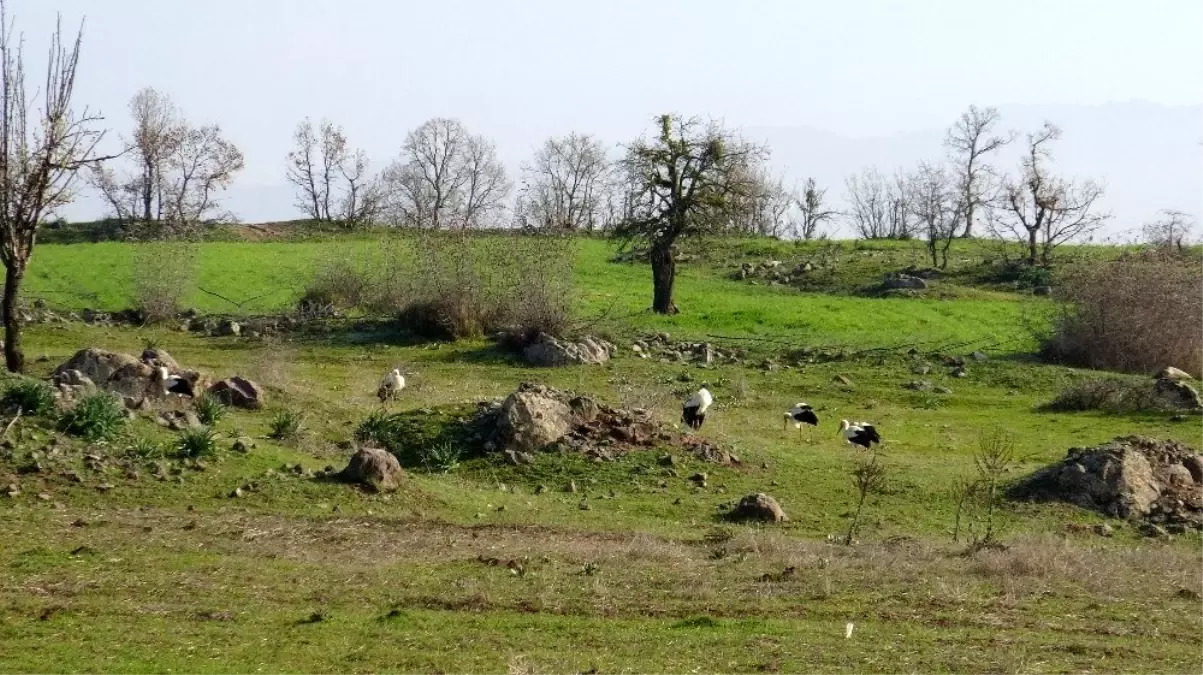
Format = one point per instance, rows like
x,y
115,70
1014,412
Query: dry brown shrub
x,y
1139,313
164,274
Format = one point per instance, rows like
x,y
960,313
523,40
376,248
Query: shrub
x,y
286,425
33,397
144,448
97,417
339,286
440,457
1136,314
209,409
164,273
1111,395
198,442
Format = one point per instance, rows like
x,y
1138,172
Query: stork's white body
x,y
391,385
801,413
693,413
860,434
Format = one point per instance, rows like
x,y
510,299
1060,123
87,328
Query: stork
x,y
390,386
860,434
693,413
173,384
801,413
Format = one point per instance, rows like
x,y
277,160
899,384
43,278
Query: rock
x,y
707,354
97,365
242,444
1179,393
548,351
699,478
759,506
1043,291
959,371
237,493
570,488
518,458
842,379
1194,465
374,468
942,390
918,385
920,369
178,420
531,419
228,327
893,282
1103,530
979,356
1179,475
1172,373
1151,530
238,392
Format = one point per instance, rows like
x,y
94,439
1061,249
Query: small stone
x,y
942,390
104,487
584,505
44,496
571,487
236,493
242,444
1103,530
698,478
540,489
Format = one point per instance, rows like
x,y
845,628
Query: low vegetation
x,y
31,397
96,417
1113,395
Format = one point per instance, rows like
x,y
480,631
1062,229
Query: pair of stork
x,y
861,434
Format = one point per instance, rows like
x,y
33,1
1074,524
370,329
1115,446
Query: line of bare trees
x,y
940,202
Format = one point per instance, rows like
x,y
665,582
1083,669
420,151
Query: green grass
x,y
164,569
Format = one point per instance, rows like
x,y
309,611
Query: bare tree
x,y
203,163
361,200
1171,231
868,203
969,141
43,148
564,185
936,204
445,178
177,168
813,210
765,208
685,182
900,214
1042,209
332,180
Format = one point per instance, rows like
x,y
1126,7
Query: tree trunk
x,y
1032,247
664,273
13,357
968,221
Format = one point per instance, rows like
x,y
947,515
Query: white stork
x,y
173,384
390,386
801,413
693,413
859,433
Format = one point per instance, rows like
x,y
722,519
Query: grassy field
x,y
636,570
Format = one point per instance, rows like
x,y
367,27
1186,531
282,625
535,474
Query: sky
x,y
519,71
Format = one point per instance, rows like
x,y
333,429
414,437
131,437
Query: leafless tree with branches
x,y
564,185
446,178
969,141
937,206
1044,210
868,203
332,180
686,181
813,210
1171,231
43,148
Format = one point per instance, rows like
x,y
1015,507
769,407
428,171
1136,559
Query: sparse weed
x,y
286,425
32,397
197,443
97,417
144,448
209,409
441,457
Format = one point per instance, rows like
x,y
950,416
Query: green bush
x,y
434,442
209,409
1111,395
97,417
144,448
440,457
33,397
286,425
198,442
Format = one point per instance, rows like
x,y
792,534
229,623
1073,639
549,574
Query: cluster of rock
x,y
537,418
1156,482
899,281
774,272
40,313
550,351
662,347
136,381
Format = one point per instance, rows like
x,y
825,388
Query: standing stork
x,y
390,386
693,413
173,384
801,413
861,434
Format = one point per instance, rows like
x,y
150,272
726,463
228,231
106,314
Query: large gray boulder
x,y
375,469
1172,373
902,281
98,365
759,506
1179,393
532,418
548,351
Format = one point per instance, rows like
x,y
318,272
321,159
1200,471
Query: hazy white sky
x,y
521,70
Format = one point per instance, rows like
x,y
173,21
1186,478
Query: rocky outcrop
x,y
1132,477
549,351
537,417
134,380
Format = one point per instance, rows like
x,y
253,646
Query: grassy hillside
x,y
636,570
